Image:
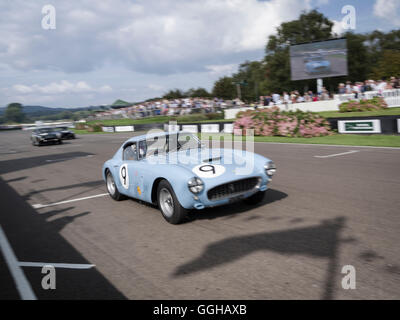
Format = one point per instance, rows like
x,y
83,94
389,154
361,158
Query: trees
x,y
251,74
174,94
311,26
198,93
388,65
14,113
224,88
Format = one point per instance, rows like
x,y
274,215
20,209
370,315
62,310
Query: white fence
x,y
391,97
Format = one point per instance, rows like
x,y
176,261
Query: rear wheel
x,y
169,205
255,198
112,188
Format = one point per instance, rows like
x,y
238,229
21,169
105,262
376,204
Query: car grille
x,y
233,188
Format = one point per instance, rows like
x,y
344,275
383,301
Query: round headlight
x,y
195,185
270,168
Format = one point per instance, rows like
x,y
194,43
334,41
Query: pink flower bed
x,y
273,122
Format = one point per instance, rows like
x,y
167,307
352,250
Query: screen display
x,y
319,59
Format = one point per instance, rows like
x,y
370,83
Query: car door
x,y
125,170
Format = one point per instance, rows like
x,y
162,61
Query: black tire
x,y
113,192
178,213
255,198
60,141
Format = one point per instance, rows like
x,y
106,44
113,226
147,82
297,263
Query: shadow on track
x,y
231,210
33,239
7,166
320,241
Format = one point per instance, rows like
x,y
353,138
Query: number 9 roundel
x,y
208,170
123,175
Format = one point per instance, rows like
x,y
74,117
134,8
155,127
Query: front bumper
x,y
68,135
202,201
49,140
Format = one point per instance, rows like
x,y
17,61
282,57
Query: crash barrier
x,y
200,127
10,128
388,125
118,129
371,125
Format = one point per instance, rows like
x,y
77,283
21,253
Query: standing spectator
x,y
381,86
349,87
286,98
341,88
366,86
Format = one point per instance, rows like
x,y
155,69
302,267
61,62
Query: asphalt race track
x,y
326,208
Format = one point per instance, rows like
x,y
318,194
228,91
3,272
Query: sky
x,y
100,51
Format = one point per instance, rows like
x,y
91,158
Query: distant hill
x,y
120,104
37,111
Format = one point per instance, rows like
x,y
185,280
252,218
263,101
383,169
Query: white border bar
x,y
23,286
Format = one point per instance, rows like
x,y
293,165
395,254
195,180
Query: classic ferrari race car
x,y
317,64
178,173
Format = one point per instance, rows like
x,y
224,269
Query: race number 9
x,y
208,170
123,175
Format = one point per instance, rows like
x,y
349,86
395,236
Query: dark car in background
x,y
41,136
65,133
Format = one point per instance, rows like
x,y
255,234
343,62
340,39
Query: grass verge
x,y
377,140
337,114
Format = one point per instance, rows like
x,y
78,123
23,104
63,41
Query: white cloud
x,y
63,86
388,10
338,27
149,36
155,87
222,69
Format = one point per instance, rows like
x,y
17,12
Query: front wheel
x,y
169,205
112,188
255,198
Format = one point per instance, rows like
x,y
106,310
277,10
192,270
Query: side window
x,y
142,149
130,152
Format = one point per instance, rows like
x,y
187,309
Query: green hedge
x,y
363,105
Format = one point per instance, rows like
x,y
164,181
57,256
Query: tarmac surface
x,y
327,207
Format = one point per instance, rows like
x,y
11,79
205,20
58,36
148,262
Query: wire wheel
x,y
166,202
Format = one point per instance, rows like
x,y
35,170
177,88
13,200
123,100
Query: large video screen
x,y
319,59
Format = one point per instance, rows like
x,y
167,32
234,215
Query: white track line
x,y
56,265
39,206
328,145
23,286
337,154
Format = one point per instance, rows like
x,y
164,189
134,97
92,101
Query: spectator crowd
x,y
184,106
356,88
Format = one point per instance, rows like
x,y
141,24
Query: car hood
x,y
229,164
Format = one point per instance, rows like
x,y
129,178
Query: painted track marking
x,y
23,286
39,206
56,265
337,154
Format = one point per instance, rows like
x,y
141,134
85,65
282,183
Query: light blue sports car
x,y
178,173
317,64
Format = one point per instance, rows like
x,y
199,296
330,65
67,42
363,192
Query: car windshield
x,y
183,141
316,58
168,143
45,130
